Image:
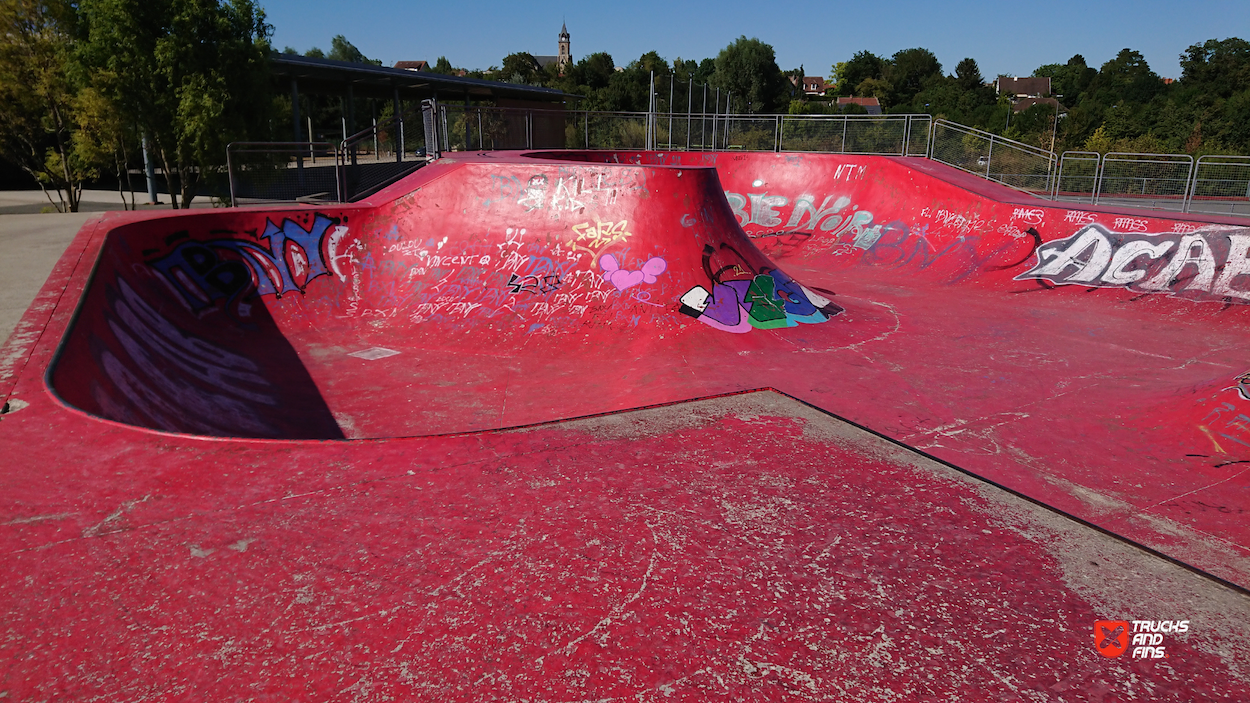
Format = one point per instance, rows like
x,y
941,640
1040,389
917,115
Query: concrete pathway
x,y
32,240
34,202
32,244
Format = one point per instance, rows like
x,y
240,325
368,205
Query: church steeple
x,y
564,58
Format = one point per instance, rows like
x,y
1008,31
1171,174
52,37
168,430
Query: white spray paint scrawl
x,y
1212,263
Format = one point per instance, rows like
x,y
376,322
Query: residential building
x,y
872,105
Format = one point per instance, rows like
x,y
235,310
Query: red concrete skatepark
x,y
566,426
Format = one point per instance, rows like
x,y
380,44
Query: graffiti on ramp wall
x,y
742,299
1212,263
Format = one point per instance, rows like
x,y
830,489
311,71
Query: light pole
x,y
1055,133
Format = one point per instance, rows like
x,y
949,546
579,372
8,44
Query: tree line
x,y
84,84
1122,105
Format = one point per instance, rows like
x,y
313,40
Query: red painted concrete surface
x,y
205,494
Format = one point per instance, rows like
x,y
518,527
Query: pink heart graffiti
x,y
622,279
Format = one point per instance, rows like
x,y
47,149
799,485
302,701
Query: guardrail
x,y
282,172
1221,186
896,135
390,149
382,154
1215,185
994,158
491,128
1160,179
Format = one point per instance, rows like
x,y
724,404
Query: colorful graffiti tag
x,y
831,215
623,279
175,380
593,238
1207,264
764,299
283,259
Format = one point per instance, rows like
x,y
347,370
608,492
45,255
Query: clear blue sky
x,y
1011,38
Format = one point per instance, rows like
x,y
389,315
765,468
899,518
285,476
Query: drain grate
x,y
373,353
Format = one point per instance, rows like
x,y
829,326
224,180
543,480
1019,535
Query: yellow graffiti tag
x,y
594,238
1211,437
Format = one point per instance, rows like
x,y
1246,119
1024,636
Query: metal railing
x,y
1215,185
1221,186
1077,179
994,158
385,152
463,128
261,172
1156,181
382,153
898,135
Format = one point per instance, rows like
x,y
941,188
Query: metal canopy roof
x,y
327,76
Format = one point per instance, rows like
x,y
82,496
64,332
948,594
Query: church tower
x,y
563,59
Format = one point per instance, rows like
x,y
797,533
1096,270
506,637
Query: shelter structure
x,y
356,80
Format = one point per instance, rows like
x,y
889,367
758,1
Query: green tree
x,y
443,66
1128,77
908,73
103,139
343,50
863,65
651,61
875,88
37,95
968,75
191,74
521,67
1070,79
748,69
1221,68
596,70
704,72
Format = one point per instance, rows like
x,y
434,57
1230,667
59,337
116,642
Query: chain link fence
x,y
1215,185
994,158
1154,181
483,128
266,172
382,154
1078,177
1221,186
366,161
898,135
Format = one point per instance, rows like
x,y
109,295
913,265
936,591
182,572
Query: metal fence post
x,y
715,116
340,172
781,126
442,124
399,129
1098,174
230,175
670,112
1189,185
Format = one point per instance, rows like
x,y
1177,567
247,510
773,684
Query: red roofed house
x,y
1018,87
815,85
872,105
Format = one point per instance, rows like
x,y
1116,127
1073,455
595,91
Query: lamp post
x,y
1055,132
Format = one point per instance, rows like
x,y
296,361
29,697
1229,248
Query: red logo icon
x,y
1111,636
